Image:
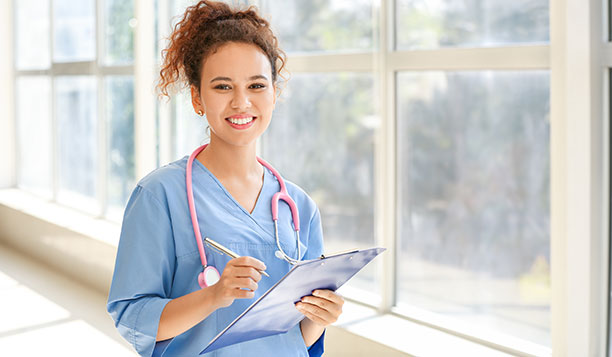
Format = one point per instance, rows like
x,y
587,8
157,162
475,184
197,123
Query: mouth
x,y
241,122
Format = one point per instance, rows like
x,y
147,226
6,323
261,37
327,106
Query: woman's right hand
x,y
238,280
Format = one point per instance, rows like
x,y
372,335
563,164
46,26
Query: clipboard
x,y
274,312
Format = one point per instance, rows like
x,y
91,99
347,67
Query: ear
x,y
196,101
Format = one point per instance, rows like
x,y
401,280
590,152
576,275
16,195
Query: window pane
x,y
120,23
190,128
474,215
74,30
34,134
322,138
179,6
32,27
322,25
120,119
77,140
470,23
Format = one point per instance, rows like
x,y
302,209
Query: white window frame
x,y
579,178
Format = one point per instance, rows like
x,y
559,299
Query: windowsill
x,y
62,216
358,330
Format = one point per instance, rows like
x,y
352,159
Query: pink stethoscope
x,y
210,275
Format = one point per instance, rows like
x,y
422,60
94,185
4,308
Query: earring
x,y
200,113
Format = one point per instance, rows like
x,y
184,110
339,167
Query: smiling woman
x,y
230,60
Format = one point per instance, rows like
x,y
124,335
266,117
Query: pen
x,y
226,251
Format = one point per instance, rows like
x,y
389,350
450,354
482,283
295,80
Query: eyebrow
x,y
227,79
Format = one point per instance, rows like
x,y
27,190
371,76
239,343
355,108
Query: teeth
x,y
240,121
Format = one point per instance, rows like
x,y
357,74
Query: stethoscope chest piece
x,y
210,276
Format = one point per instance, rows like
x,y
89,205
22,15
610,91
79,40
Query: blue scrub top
x,y
158,259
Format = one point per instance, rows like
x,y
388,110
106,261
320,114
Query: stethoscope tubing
x,y
192,209
281,195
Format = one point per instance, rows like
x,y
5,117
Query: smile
x,y
241,121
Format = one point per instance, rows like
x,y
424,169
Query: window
x,y
74,102
426,24
473,190
421,126
468,186
322,138
322,26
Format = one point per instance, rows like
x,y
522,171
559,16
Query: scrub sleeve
x,y
145,253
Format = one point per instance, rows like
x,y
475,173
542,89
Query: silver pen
x,y
226,251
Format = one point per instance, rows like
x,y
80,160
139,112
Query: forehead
x,y
236,61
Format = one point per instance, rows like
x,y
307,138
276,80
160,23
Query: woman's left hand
x,y
323,307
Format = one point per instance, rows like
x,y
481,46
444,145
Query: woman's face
x,y
236,93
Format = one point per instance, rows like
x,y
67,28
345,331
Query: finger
x,y
319,302
243,294
249,262
247,272
316,314
329,295
315,319
243,283
316,311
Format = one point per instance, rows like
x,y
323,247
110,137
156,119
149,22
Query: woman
x,y
231,61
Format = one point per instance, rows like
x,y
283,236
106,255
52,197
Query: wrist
x,y
311,331
210,298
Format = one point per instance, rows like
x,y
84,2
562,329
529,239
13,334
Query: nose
x,y
240,100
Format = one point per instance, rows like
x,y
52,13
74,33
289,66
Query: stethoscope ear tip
x,y
279,255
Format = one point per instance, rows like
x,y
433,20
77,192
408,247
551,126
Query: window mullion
x,y
144,98
8,128
503,58
385,159
165,107
102,135
54,125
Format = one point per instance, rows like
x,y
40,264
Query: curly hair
x,y
205,27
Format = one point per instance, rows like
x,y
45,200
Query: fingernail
x,y
315,292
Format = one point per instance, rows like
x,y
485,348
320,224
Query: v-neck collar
x,y
229,195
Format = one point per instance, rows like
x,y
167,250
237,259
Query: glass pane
x,y
75,99
34,134
32,27
191,129
120,121
120,24
474,205
424,24
322,25
179,6
74,30
322,138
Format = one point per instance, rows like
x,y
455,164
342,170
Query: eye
x,y
223,87
257,86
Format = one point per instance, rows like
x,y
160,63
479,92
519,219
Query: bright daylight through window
x,y
85,102
471,178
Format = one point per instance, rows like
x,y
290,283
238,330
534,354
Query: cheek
x,y
267,104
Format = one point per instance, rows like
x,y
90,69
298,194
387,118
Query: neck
x,y
230,161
